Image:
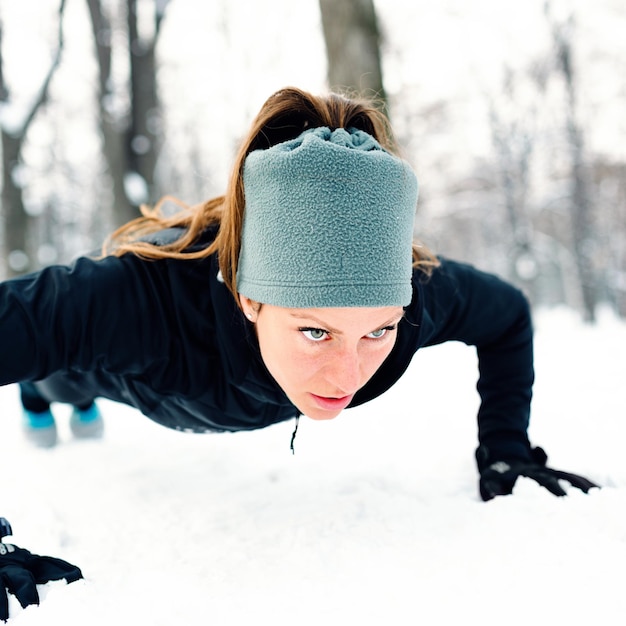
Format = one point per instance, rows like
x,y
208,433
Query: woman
x,y
300,291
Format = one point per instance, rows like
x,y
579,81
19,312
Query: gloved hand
x,y
21,571
497,477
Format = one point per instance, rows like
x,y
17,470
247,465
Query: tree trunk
x,y
16,221
513,142
113,128
18,248
130,143
145,124
583,234
353,47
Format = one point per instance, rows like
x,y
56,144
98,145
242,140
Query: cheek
x,y
283,358
374,360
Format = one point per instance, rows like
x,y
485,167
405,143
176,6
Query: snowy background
x,y
464,80
375,520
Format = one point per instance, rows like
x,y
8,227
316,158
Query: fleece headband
x,y
328,223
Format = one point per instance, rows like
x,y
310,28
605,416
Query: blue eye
x,y
377,334
314,334
380,333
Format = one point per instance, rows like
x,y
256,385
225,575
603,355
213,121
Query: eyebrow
x,y
323,325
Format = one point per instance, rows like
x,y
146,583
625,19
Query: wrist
x,y
492,450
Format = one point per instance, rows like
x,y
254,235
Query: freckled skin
x,y
322,357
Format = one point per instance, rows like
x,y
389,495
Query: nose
x,y
344,371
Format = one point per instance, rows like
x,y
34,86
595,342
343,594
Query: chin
x,y
321,416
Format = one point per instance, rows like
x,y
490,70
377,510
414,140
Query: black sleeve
x,y
104,314
477,308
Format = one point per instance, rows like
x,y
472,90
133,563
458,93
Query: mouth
x,y
332,404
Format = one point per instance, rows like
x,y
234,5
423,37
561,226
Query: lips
x,y
332,404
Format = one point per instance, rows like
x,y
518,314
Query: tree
x,y
353,47
16,221
580,199
513,138
131,138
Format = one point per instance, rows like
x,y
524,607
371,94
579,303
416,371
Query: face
x,y
322,357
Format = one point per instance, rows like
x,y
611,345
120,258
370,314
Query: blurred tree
x,y
583,233
16,221
513,138
353,47
610,185
131,134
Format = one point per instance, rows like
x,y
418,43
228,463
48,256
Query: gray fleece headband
x,y
328,223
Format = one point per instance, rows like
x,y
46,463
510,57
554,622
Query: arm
x,y
93,314
464,304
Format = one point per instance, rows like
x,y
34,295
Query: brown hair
x,y
285,115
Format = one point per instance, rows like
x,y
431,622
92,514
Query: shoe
x,y
40,428
87,423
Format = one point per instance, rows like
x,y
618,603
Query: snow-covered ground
x,y
375,520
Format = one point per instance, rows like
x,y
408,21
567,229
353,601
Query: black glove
x,y
21,571
497,477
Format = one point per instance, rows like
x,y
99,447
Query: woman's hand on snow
x,y
498,476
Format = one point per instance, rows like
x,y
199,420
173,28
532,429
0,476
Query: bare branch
x,y
102,38
43,91
159,13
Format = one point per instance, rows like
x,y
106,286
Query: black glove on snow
x,y
497,477
21,571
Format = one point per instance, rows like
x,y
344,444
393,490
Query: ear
x,y
248,307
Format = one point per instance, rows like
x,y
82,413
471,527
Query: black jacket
x,y
167,337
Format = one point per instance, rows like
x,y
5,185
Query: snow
x,y
374,520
